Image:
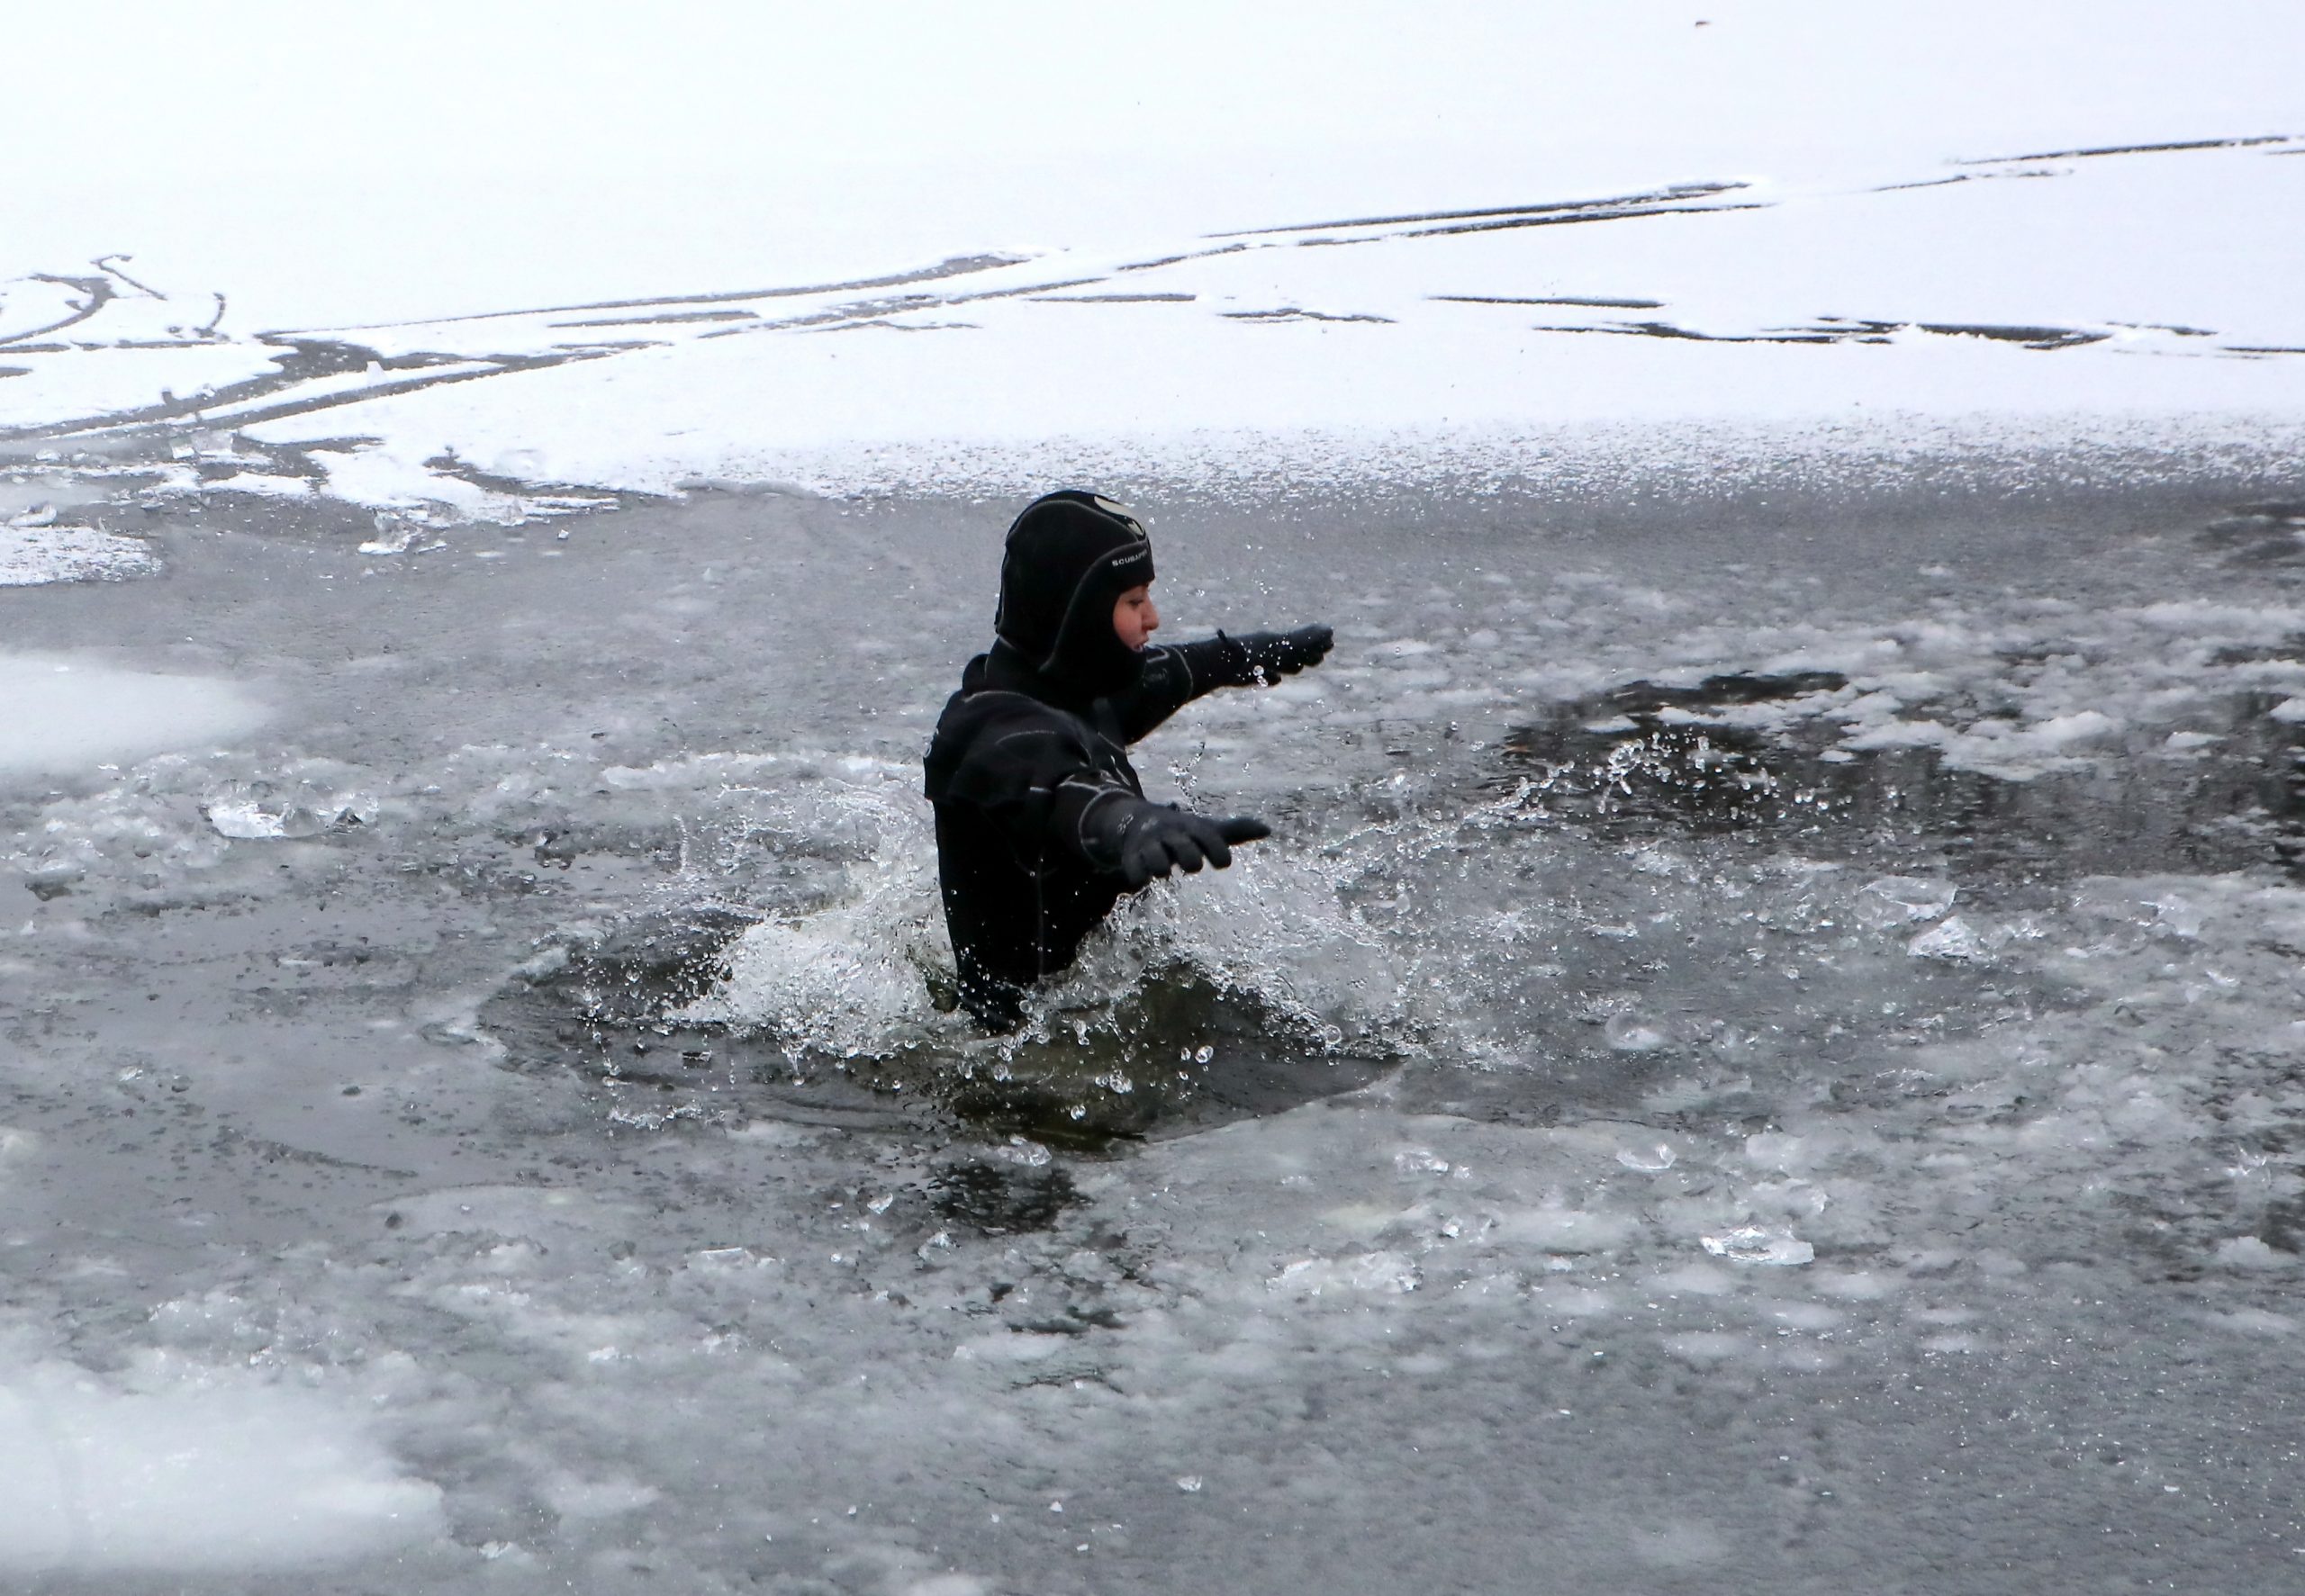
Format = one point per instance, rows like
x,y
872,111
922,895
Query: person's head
x,y
1072,592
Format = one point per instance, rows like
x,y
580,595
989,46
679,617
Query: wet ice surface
x,y
1761,1057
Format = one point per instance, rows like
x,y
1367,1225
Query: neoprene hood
x,y
1070,556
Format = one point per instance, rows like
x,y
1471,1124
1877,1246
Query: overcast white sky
x,y
366,162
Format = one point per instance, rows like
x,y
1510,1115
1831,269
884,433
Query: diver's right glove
x,y
1143,839
1255,658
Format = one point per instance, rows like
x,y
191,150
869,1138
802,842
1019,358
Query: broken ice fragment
x,y
1952,938
254,812
2177,916
1893,898
52,880
1380,1272
244,819
2250,1252
1753,1244
1628,1034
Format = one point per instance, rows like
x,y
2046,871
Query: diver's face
x,y
1134,618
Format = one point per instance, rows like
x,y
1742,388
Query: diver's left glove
x,y
1140,840
1255,658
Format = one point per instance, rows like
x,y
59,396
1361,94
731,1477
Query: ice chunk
x,y
2249,1253
1894,899
1383,1273
2178,917
65,715
37,551
193,1468
2082,726
245,821
255,811
1628,1033
1953,939
1757,1244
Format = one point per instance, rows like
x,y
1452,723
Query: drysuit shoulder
x,y
996,750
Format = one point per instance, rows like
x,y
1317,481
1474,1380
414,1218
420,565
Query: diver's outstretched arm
x,y
1175,674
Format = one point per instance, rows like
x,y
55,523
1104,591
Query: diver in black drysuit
x,y
1041,822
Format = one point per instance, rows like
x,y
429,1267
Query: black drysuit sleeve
x,y
1039,780
1175,674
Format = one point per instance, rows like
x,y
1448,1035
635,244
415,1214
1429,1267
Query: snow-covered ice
x,y
177,1467
67,716
1850,249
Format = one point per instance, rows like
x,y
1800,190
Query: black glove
x,y
1254,658
1142,840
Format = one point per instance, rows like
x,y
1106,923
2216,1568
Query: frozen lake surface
x,y
1762,1056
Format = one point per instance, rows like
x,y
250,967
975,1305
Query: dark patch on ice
x,y
2032,338
98,290
1925,183
1665,329
1170,260
15,371
998,1199
883,323
2170,148
1628,214
1176,1054
273,395
1112,299
2260,533
1649,760
1851,329
649,965
306,358
1293,313
1024,290
1611,761
666,317
1589,303
1549,210
957,266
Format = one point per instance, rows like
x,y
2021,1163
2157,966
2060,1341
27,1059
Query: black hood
x,y
1069,557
